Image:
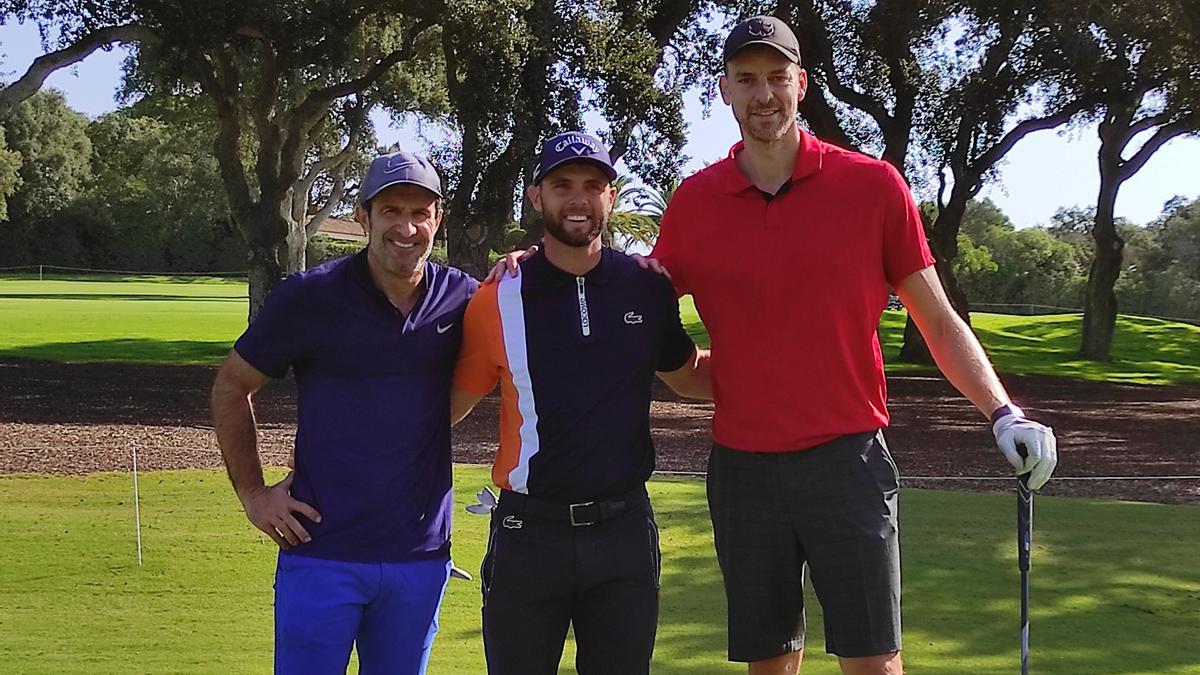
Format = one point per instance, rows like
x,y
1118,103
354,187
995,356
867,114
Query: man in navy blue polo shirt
x,y
574,341
363,522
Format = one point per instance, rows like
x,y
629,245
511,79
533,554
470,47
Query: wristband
x,y
1008,409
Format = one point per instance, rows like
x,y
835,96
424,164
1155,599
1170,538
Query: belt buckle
x,y
576,523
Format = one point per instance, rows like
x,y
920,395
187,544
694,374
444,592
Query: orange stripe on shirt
x,y
482,363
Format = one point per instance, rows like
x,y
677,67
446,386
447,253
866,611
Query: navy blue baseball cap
x,y
570,147
396,168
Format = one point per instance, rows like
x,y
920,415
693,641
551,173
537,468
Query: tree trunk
x,y
467,247
264,275
943,243
296,247
1100,305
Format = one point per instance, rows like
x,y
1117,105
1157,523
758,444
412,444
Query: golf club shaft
x,y
1024,549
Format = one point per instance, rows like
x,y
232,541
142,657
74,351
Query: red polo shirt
x,y
791,289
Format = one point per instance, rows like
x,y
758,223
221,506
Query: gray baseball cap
x,y
763,30
396,168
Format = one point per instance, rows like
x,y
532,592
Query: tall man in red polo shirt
x,y
800,476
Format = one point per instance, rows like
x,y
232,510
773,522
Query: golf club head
x,y
457,572
486,502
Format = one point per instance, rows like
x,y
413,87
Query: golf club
x,y
1024,547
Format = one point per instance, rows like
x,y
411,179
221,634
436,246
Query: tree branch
x,y
819,56
1148,123
227,149
1190,124
993,154
43,66
335,196
317,103
823,119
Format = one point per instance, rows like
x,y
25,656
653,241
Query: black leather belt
x,y
580,514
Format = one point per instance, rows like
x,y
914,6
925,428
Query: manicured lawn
x,y
195,320
177,320
1115,585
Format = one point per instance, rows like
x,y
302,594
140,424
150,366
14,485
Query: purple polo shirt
x,y
373,428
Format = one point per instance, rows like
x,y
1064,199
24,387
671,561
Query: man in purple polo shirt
x,y
363,522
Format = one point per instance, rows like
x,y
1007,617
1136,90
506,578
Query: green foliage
x,y
1162,275
55,156
973,262
153,202
75,594
323,249
1030,267
10,178
625,228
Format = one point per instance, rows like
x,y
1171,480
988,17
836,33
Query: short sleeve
x,y
279,336
905,249
668,248
478,368
676,346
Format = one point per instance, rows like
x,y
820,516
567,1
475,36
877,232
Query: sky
x,y
1043,172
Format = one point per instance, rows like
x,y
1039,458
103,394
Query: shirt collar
x,y
547,271
362,271
809,159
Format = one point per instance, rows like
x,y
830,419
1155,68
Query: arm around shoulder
x,y
694,378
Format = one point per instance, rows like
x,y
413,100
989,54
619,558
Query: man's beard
x,y
757,129
554,226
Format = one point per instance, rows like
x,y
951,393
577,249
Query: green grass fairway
x,y
1115,585
148,319
195,320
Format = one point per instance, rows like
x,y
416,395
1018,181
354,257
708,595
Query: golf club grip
x,y
1024,517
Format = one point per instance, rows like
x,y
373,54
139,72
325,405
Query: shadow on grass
x,y
1109,593
133,350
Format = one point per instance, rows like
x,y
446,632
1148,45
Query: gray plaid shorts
x,y
831,510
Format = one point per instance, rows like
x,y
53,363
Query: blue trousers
x,y
324,608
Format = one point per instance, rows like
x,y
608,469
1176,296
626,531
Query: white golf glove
x,y
1041,448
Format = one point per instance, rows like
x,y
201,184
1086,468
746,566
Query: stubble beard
x,y
767,131
556,229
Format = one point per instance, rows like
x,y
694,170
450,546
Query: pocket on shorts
x,y
487,568
655,551
882,466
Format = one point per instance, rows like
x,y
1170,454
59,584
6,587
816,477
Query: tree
x,y
869,69
1014,70
55,155
273,73
1162,272
1150,60
10,177
544,65
158,188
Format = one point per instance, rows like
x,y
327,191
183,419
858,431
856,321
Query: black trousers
x,y
542,575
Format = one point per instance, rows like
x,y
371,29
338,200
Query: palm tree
x,y
637,212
